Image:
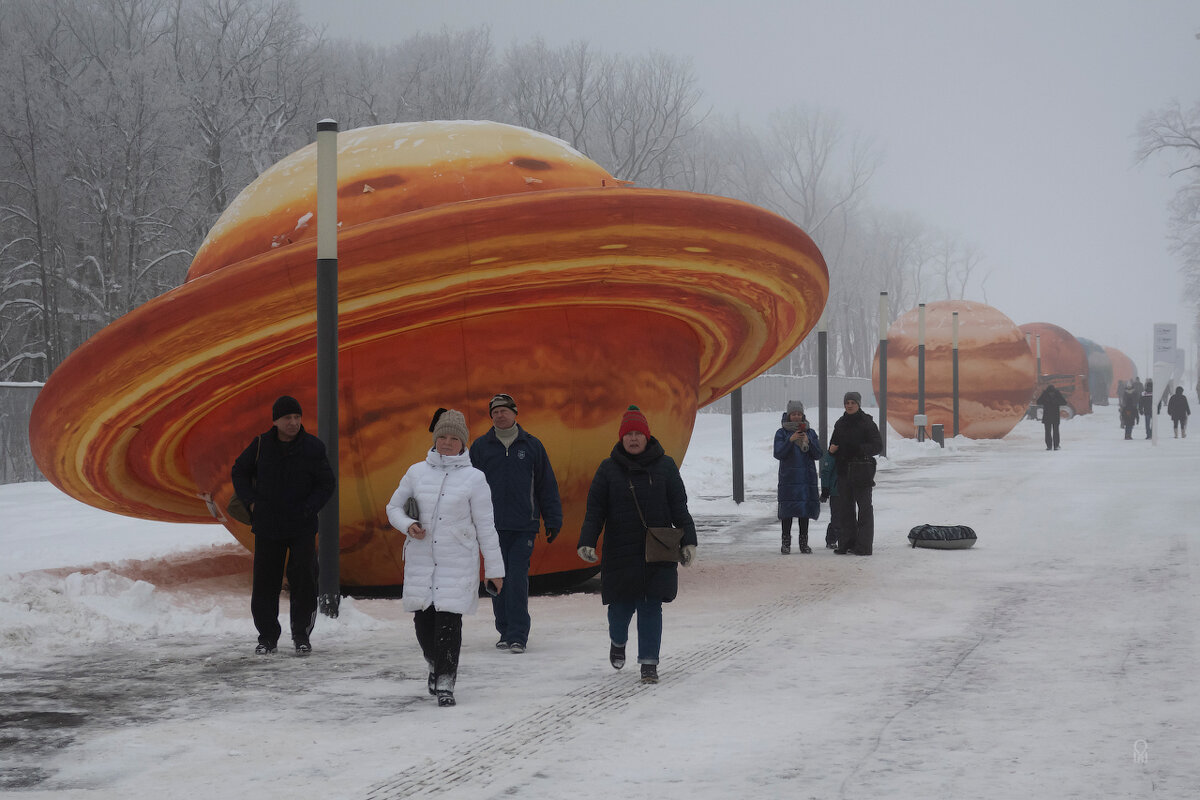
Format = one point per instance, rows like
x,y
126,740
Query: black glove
x,y
551,535
824,495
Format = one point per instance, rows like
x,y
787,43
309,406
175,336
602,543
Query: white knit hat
x,y
451,423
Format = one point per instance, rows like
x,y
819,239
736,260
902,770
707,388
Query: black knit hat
x,y
283,406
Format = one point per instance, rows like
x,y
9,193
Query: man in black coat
x,y
284,479
1051,400
854,443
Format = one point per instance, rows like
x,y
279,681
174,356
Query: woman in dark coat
x,y
636,487
1178,410
798,450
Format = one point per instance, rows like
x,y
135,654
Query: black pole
x,y
954,389
735,428
883,348
823,386
329,518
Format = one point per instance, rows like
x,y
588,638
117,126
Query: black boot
x,y
786,547
802,541
616,655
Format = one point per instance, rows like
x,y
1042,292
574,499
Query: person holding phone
x,y
798,450
454,525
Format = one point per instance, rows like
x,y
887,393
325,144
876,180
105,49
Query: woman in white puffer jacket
x,y
441,554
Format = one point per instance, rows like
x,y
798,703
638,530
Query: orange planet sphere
x,y
474,258
1064,362
995,370
1122,368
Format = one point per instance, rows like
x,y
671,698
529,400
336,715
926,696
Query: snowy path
x,y
1048,661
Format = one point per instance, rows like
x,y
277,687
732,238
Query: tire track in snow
x,y
486,759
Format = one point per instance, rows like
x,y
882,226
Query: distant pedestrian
x,y
1129,400
855,442
524,493
636,487
1147,406
1051,400
829,493
797,449
1179,411
283,477
441,556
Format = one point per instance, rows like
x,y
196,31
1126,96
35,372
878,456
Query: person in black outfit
x,y
1147,406
638,485
1051,400
1179,411
854,443
284,479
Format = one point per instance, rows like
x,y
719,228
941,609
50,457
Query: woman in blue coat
x,y
798,450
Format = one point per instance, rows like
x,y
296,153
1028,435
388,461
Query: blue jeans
x,y
649,625
511,606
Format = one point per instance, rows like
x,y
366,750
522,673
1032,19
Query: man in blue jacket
x,y
524,492
284,479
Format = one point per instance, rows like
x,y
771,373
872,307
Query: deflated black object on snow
x,y
942,537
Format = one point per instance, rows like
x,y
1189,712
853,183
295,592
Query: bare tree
x,y
1173,133
248,72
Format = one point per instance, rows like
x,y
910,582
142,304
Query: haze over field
x,y
1011,126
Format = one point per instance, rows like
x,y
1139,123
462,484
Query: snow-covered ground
x,y
1055,659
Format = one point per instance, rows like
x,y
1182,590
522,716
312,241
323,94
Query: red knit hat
x,y
634,420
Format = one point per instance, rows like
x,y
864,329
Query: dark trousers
x,y
855,518
649,625
270,556
1051,433
511,606
831,530
786,525
440,635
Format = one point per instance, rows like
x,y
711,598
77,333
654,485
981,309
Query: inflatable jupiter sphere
x,y
474,258
995,370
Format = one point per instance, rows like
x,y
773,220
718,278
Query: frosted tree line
x,y
127,127
1172,134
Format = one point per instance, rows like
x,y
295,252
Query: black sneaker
x,y
502,645
649,673
264,649
785,548
303,648
445,698
616,656
517,648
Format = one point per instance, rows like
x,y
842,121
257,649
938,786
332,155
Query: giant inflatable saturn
x,y
474,258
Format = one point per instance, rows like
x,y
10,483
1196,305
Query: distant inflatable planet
x,y
1123,369
1064,363
995,370
1100,371
474,258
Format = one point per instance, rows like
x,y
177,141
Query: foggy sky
x,y
1010,125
